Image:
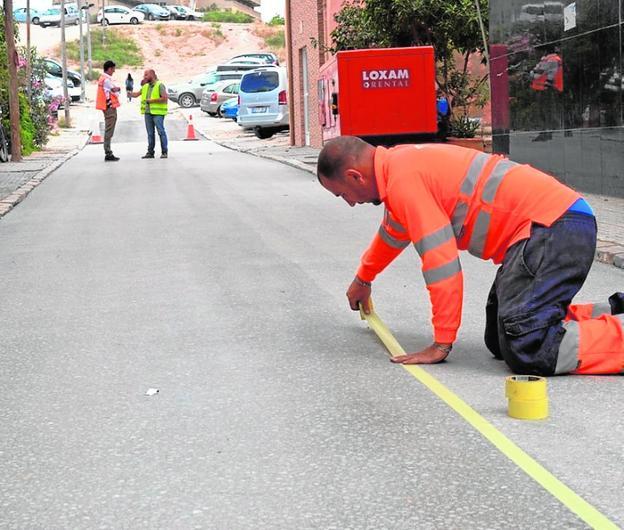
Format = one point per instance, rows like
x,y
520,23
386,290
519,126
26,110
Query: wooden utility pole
x,y
13,59
64,64
82,73
103,23
89,61
28,52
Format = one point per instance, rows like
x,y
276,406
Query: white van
x,y
263,101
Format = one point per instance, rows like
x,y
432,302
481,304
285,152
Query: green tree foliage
x,y
277,21
450,26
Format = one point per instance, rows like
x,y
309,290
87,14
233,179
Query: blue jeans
x,y
155,122
533,289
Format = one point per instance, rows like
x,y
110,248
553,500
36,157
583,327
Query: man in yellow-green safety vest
x,y
154,106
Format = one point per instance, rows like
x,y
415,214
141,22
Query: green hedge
x,y
223,15
27,127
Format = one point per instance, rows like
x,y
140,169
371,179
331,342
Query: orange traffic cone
x,y
96,137
190,131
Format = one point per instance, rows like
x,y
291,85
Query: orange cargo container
x,y
384,95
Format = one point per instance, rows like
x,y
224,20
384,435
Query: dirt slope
x,y
177,50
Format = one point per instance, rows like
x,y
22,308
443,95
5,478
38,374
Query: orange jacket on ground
x,y
445,198
100,99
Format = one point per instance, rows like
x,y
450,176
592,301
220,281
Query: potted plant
x,y
463,132
466,92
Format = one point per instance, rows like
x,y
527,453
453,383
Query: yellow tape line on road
x,y
531,467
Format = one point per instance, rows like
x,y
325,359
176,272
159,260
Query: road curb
x,y
228,145
11,201
610,253
289,162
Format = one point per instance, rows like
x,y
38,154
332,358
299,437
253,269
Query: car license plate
x,y
257,110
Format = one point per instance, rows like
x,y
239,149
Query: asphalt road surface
x,y
218,279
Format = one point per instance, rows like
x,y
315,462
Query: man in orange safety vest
x,y
444,198
107,100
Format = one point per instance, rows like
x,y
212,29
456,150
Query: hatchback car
x,y
190,93
119,15
55,69
214,96
153,12
190,14
264,101
19,15
175,12
229,109
52,17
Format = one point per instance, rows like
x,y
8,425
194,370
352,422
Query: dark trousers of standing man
x,y
110,120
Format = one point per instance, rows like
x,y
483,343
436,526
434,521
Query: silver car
x,y
190,93
263,97
213,97
52,17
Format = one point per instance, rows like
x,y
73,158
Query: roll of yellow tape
x,y
528,397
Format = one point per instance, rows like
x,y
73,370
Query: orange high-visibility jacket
x,y
445,198
100,98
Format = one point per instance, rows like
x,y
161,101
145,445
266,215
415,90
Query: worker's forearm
x,y
376,258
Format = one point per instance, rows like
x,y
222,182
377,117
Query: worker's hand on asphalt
x,y
433,354
359,292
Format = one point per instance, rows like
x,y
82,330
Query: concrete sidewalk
x,y
18,179
609,210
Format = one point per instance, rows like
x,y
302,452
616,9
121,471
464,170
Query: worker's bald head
x,y
341,153
346,167
149,75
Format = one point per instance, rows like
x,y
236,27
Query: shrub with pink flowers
x,y
35,105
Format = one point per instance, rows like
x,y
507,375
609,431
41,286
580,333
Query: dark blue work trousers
x,y
156,122
533,288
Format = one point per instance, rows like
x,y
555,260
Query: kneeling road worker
x,y
445,198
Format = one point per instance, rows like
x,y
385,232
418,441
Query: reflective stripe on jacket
x,y
156,109
445,198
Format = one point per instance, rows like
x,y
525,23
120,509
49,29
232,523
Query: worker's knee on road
x,y
492,342
530,341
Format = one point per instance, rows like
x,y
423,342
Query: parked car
x,y
153,12
52,17
267,57
229,109
55,69
119,15
263,101
246,64
214,96
19,15
190,93
247,61
54,88
190,14
176,13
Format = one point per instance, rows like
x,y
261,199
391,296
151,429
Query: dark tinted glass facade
x,y
556,72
